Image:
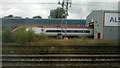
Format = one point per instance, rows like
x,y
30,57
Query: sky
x,y
80,9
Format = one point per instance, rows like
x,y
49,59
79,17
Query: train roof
x,y
61,27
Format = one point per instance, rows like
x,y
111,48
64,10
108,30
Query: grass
x,y
63,42
37,46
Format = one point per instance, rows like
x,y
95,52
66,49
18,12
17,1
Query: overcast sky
x,y
29,8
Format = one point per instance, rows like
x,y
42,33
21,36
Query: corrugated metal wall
x,y
106,32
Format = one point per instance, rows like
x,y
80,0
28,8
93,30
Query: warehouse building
x,y
15,22
106,24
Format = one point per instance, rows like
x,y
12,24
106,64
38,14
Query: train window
x,y
53,31
58,31
69,31
86,31
80,31
63,30
74,31
41,29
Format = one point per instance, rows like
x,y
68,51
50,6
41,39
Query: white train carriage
x,y
54,31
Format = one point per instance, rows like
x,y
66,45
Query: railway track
x,y
82,58
61,55
48,59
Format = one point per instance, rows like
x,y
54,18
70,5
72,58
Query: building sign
x,y
112,19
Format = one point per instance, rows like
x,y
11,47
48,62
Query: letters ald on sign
x,y
112,19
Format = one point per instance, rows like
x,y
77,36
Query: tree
x,y
57,13
9,16
17,17
37,17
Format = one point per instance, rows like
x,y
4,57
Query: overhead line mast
x,y
65,4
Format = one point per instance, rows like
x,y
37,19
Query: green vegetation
x,y
38,17
7,35
57,13
75,42
17,49
0,37
11,16
22,36
41,37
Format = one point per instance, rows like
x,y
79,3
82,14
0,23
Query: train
x,y
63,31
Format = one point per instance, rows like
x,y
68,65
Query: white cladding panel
x,y
112,19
